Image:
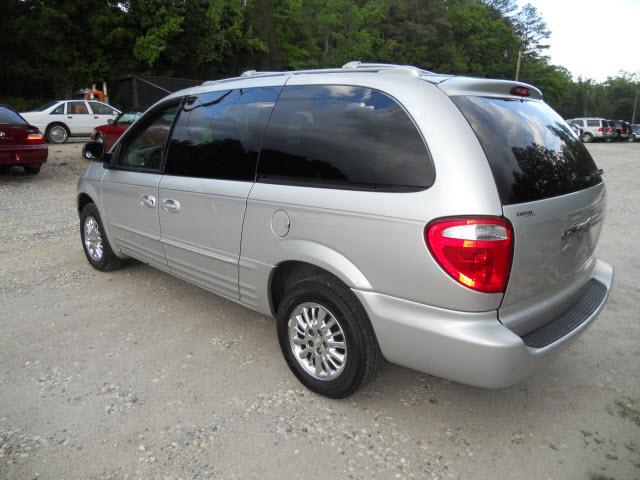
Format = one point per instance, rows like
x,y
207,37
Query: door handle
x,y
169,205
95,116
69,116
148,201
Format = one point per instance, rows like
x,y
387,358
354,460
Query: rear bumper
x,y
467,347
23,154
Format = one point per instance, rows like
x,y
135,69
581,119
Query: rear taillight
x,y
475,251
601,130
35,138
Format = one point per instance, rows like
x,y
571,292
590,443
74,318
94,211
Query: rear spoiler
x,y
488,88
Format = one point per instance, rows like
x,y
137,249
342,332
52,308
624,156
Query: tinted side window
x,y
145,147
578,122
593,123
218,134
346,137
77,108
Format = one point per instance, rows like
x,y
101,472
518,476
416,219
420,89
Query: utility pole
x,y
518,66
635,107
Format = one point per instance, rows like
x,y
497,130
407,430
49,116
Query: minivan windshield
x,y
532,152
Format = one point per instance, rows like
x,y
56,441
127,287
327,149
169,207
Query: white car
x,y
62,119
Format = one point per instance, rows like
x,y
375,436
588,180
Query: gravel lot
x,y
135,374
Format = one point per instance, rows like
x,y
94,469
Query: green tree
x,y
486,43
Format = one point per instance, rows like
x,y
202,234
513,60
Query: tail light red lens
x,y
475,251
601,129
35,138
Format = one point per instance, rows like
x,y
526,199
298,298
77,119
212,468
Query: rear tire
x,y
632,138
94,241
57,133
305,345
32,169
587,137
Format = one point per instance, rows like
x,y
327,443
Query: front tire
x,y
57,133
326,337
94,241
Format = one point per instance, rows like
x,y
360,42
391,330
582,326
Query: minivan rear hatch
x,y
552,193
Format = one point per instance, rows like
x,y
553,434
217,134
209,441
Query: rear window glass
x,y
127,118
532,152
8,116
338,136
42,108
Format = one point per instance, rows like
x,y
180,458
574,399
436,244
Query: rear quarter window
x,y
338,136
531,150
593,123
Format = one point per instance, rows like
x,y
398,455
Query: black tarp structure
x,y
139,92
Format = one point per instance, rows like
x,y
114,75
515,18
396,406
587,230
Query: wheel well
x,y
83,201
58,123
286,274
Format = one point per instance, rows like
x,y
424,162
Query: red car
x,y
20,143
109,133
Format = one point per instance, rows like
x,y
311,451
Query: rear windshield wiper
x,y
595,173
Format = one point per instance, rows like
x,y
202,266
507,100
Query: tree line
x,y
52,47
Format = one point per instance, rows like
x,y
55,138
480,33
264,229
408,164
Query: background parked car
x,y
621,129
594,128
20,143
62,119
109,133
635,133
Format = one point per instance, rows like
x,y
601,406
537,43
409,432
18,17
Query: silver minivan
x,y
378,212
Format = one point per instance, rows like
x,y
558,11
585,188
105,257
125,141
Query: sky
x,y
592,38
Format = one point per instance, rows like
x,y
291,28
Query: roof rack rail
x,y
251,73
356,64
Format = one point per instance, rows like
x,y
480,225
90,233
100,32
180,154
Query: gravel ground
x,y
135,374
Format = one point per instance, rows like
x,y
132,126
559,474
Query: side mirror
x,y
94,151
110,121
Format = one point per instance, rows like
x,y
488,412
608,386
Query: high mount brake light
x,y
520,91
475,251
